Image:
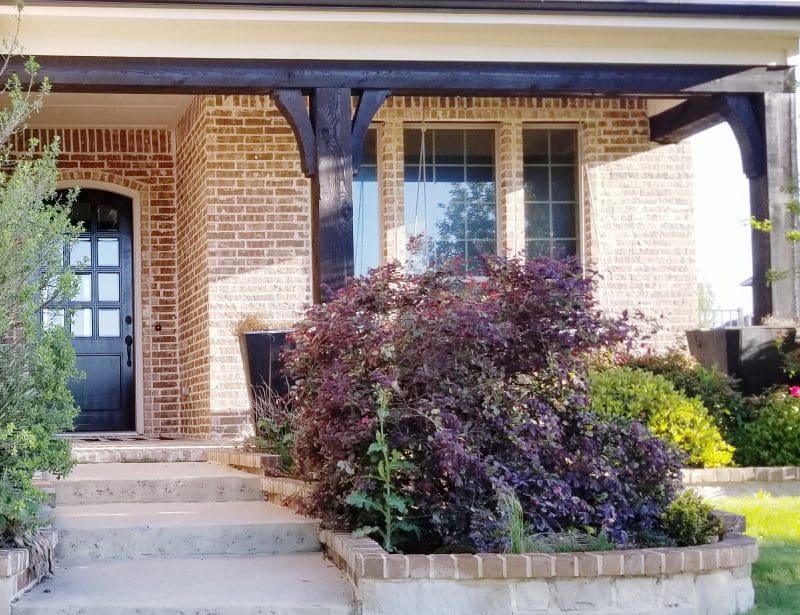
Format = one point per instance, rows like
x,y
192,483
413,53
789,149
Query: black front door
x,y
102,312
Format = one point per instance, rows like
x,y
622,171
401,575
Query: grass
x,y
775,522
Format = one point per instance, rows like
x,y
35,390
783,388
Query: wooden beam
x,y
333,186
368,104
743,115
684,120
292,104
221,76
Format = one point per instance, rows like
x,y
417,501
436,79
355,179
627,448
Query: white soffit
x,y
111,111
148,31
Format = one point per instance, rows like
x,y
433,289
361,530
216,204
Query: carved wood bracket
x,y
292,104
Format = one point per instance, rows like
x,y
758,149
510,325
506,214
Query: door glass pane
x,y
81,213
108,287
108,252
81,253
366,210
107,218
84,287
52,318
82,322
108,322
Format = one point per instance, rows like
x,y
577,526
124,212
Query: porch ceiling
x,y
112,110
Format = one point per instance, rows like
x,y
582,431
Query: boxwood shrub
x,y
772,438
487,380
682,421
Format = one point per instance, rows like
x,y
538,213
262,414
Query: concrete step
x,y
109,483
180,529
278,585
104,449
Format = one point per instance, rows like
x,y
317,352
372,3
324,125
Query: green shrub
x,y
689,521
716,390
772,438
35,363
639,395
274,421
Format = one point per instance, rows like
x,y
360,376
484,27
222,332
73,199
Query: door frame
x,y
138,353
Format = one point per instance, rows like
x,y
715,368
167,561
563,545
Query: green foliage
x,y
35,363
772,438
716,390
639,395
390,506
521,539
275,426
689,521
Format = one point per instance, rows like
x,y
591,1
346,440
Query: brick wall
x,y
141,162
245,190
225,226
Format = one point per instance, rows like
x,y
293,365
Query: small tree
x,y
36,361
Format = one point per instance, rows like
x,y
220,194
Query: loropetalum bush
x,y
773,437
716,390
682,421
488,386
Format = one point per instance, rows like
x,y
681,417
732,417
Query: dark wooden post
x,y
331,140
332,187
770,191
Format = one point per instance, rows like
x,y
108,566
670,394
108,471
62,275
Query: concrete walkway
x,y
181,539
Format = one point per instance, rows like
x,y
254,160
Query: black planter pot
x,y
262,363
749,354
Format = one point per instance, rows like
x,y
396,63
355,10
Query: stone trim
x,y
740,475
363,558
20,569
258,463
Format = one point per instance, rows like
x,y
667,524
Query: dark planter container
x,y
749,354
262,363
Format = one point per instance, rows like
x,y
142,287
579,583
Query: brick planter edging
x,y
363,558
740,475
20,569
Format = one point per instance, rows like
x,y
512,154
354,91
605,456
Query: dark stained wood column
x,y
332,188
331,139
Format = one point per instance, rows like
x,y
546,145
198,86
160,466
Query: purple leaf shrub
x,y
489,395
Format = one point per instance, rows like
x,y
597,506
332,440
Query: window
x,y
551,196
366,209
450,194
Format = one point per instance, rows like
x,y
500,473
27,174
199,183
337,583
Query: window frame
x,y
457,124
580,201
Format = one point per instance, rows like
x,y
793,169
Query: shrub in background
x,y
682,421
488,385
716,390
772,438
35,363
689,521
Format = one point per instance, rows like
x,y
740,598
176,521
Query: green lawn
x,y
775,522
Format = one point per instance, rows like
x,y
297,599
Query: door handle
x,y
129,343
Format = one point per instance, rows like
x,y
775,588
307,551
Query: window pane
x,y
564,223
107,218
551,210
537,184
534,145
82,213
84,287
108,323
108,252
455,208
366,210
563,183
80,254
108,287
52,318
537,220
82,322
562,146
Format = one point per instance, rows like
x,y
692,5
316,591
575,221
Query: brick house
x,y
215,143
